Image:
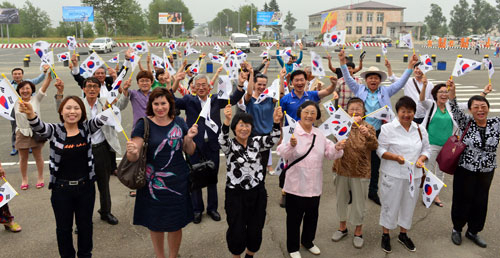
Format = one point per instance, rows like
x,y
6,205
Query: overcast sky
x,y
301,9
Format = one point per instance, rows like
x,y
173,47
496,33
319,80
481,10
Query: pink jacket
x,y
306,177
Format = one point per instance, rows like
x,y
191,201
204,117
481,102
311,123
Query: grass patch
x,y
86,40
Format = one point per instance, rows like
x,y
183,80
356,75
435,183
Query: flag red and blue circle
x,y
195,70
428,189
4,103
90,64
139,47
336,122
490,65
39,52
69,41
464,67
1,197
115,58
288,52
331,109
343,131
334,38
64,57
315,63
118,85
132,59
428,61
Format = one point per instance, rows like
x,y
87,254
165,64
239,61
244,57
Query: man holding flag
x,y
374,97
207,139
105,141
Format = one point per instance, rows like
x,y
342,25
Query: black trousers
x,y
77,202
13,136
102,167
264,158
300,209
211,151
470,199
246,215
375,166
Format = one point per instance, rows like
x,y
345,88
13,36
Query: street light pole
x,y
238,20
251,20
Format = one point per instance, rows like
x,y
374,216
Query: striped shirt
x,y
56,134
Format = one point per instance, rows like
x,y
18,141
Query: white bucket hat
x,y
372,70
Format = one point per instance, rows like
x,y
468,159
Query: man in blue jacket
x,y
291,60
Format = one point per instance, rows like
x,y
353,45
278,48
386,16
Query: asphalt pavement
x,y
430,232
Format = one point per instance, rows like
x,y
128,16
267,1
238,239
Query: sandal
x,y
25,187
13,228
132,193
439,204
40,185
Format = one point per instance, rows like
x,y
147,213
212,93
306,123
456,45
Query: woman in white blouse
x,y
400,142
25,138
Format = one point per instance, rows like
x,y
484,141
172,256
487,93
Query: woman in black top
x,y
72,173
472,179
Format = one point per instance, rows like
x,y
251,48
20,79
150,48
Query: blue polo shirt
x,y
262,115
291,103
372,104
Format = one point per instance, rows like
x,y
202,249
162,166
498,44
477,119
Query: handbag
x,y
283,171
449,155
203,173
38,138
133,174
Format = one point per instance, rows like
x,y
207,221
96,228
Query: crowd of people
x,y
166,109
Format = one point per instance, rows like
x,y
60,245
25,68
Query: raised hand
x,y
342,58
293,141
333,80
364,130
228,113
27,108
340,145
193,131
59,86
277,115
413,60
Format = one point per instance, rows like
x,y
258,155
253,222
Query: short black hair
x,y
23,83
159,72
244,117
17,69
298,72
406,102
435,90
91,80
350,64
309,103
187,67
477,98
259,75
190,81
356,100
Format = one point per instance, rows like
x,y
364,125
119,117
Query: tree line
x,y
111,17
478,18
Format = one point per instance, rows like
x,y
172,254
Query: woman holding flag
x,y
476,166
72,173
164,203
304,177
401,144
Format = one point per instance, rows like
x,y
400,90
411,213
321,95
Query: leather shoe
x,y
197,218
476,239
112,220
214,215
456,237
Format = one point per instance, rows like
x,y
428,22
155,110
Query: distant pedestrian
x,y
476,49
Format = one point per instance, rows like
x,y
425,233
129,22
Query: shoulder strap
x,y
305,155
146,129
416,86
429,117
465,131
419,132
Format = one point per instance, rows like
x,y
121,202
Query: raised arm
x,y
299,60
278,57
266,142
225,143
399,84
353,85
330,66
216,76
360,66
251,83
40,77
458,114
189,146
329,90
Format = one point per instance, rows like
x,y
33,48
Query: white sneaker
x,y
338,235
314,250
295,255
358,241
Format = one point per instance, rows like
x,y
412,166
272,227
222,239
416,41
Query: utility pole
x,y
251,19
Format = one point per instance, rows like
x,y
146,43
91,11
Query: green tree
x,y
170,6
248,13
224,19
289,22
273,6
436,22
108,12
484,16
134,22
34,20
459,20
265,8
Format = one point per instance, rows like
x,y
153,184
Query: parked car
x,y
381,39
240,41
101,44
366,39
475,37
286,42
308,41
254,40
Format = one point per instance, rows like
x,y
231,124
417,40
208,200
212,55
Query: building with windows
x,y
363,19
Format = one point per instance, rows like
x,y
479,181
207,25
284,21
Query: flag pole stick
x,y
52,69
101,59
202,110
133,68
375,111
74,50
12,87
340,107
118,122
435,176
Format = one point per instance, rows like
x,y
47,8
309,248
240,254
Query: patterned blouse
x,y
244,169
480,153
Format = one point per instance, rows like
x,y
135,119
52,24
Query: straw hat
x,y
372,70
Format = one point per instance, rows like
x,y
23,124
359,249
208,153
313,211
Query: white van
x,y
240,41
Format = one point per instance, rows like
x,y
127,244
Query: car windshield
x,y
310,38
241,40
98,41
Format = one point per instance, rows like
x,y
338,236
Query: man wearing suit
x,y
105,143
206,140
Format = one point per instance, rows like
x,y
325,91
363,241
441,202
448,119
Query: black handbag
x,y
283,171
203,173
133,174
